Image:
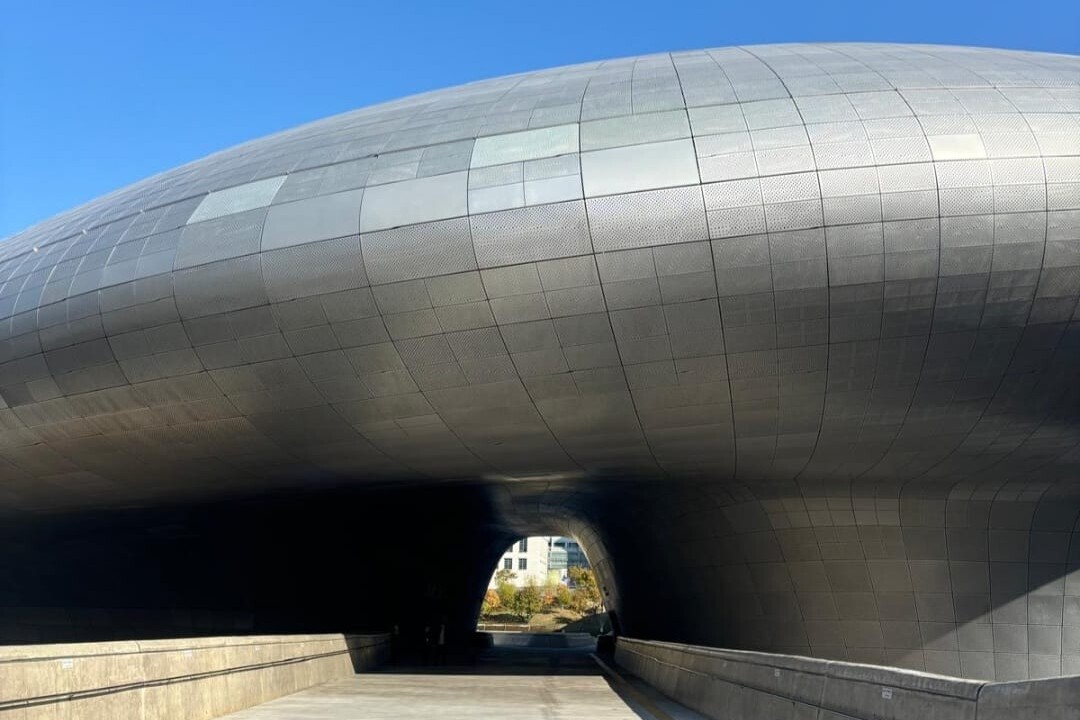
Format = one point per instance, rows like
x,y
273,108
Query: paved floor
x,y
503,683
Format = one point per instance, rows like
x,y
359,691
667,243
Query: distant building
x,y
541,559
564,554
528,559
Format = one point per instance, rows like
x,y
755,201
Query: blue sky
x,y
95,95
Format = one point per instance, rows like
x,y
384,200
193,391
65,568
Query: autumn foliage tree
x,y
491,603
562,597
527,602
585,594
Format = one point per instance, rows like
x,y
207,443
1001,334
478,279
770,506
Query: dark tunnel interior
x,y
327,561
866,578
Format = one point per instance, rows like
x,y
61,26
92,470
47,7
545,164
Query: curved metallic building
x,y
787,335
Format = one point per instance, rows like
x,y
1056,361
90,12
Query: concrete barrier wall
x,y
733,684
188,679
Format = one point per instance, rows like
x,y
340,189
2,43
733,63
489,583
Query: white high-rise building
x,y
528,559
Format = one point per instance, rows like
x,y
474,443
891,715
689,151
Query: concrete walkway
x,y
504,683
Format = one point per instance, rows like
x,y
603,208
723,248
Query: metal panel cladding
x,y
822,264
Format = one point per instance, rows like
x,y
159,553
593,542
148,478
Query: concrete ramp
x,y
518,681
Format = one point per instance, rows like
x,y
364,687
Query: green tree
x,y
504,588
585,597
527,601
506,593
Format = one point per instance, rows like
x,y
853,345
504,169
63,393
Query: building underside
x,y
786,336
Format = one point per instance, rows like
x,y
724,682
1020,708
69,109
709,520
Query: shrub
x,y
506,592
562,597
526,602
585,597
548,593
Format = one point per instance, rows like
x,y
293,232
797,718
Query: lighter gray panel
x,y
319,218
640,167
414,201
554,189
237,199
634,130
525,145
957,147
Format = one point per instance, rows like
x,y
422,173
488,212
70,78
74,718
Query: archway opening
x,y
543,584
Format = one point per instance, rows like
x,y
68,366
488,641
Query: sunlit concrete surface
x,y
505,684
450,696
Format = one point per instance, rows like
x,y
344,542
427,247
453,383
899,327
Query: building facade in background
x,y
541,560
528,559
565,553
